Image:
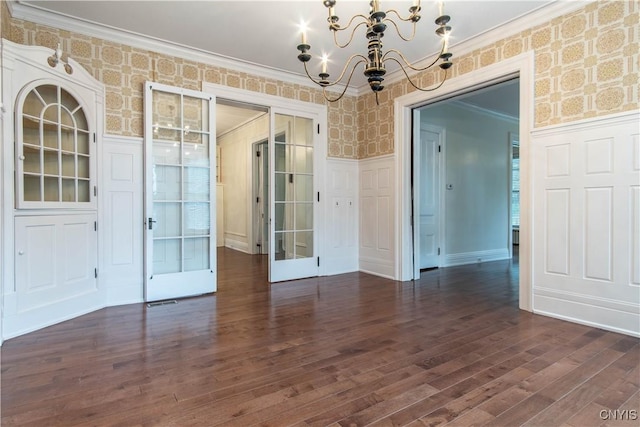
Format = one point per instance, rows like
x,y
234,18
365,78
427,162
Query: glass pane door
x,y
293,240
179,193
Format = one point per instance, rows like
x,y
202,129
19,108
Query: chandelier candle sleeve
x,y
376,58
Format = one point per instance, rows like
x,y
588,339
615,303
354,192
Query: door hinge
x,y
95,273
95,225
318,196
318,261
94,137
438,251
95,191
257,154
318,128
257,199
439,148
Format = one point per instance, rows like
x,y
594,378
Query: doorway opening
x,y
465,159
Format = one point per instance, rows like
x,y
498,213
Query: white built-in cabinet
x,y
49,194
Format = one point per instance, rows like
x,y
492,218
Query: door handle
x,y
151,222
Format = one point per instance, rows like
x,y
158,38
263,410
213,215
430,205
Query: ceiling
x,y
266,33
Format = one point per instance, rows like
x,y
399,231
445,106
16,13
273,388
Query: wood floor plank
x,y
351,350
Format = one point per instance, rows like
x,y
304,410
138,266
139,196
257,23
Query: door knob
x,y
20,252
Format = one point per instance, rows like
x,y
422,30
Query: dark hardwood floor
x,y
347,350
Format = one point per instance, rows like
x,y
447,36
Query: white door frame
x,y
256,221
521,66
417,149
320,110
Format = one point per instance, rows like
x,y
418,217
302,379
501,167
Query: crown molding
x,y
38,15
539,16
486,112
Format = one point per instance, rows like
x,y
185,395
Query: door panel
x,y
179,195
293,240
429,197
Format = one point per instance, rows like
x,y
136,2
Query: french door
x,y
293,241
179,192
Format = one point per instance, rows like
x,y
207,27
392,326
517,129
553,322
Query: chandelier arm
x,y
409,18
344,70
407,63
414,85
324,89
407,39
353,32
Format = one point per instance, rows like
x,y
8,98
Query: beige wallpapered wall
x,y
587,65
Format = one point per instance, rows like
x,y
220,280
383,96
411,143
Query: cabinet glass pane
x,y
196,219
168,217
166,182
84,191
67,139
51,189
49,93
83,166
196,254
50,135
30,130
32,188
68,190
81,120
31,162
51,162
83,142
196,183
67,100
167,256
68,165
32,105
166,109
51,113
66,119
196,149
196,114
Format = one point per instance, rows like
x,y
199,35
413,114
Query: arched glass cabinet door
x,y
54,150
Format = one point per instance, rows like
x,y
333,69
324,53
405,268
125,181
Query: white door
x,y
261,208
427,158
179,193
293,240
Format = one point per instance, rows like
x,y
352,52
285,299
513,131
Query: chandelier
x,y
374,63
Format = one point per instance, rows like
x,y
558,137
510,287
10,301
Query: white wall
x,y
586,240
477,183
377,207
236,164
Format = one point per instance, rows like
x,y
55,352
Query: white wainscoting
x,y
341,216
586,216
120,223
377,207
475,257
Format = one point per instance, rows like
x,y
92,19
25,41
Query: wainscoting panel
x,y
586,180
121,221
341,218
377,202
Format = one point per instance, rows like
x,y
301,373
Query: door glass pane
x,y
196,114
32,188
196,149
196,254
167,110
51,162
294,193
168,217
30,131
166,184
166,146
196,219
51,189
68,190
50,135
167,256
31,162
68,139
196,183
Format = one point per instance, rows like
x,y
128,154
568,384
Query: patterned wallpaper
x,y
586,66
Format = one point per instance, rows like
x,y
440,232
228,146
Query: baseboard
x,y
377,267
616,316
236,245
475,257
